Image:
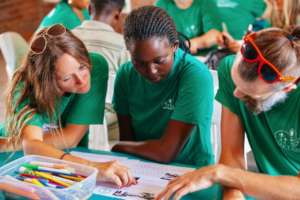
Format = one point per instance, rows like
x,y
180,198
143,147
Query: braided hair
x,y
151,21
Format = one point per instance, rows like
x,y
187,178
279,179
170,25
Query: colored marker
x,y
55,186
43,175
73,178
47,169
51,165
39,178
64,179
31,180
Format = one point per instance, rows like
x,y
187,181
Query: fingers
x,y
125,176
169,191
123,173
116,180
181,192
220,40
132,179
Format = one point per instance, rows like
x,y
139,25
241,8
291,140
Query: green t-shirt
x,y
273,135
193,21
89,108
185,95
78,108
63,14
236,14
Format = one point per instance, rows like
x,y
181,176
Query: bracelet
x,y
63,155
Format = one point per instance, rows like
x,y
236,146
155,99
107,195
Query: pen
x,y
224,29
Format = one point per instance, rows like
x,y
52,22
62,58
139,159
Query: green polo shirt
x,y
236,14
83,109
63,14
186,95
273,135
193,21
204,15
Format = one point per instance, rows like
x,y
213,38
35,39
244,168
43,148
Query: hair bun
x,y
291,38
295,33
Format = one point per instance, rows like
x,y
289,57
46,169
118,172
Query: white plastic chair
x,y
98,137
13,47
216,125
99,133
216,119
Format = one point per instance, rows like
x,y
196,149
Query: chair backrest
x,y
216,123
216,119
14,48
98,133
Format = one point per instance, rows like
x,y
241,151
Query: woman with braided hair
x,y
163,97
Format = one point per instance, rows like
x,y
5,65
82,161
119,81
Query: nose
x,y
238,94
79,78
152,69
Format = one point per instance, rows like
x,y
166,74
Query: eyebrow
x,y
68,75
158,57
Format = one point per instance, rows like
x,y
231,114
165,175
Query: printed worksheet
x,y
152,177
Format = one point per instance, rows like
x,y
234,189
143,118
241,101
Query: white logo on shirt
x,y
168,105
288,140
49,127
226,4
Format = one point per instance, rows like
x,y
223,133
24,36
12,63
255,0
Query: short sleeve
x,y
120,97
194,103
226,86
89,108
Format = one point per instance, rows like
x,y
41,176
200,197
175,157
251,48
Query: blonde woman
x,y
56,70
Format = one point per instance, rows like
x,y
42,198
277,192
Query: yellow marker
x,y
51,178
36,182
78,179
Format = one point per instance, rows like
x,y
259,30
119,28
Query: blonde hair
x,y
287,17
35,81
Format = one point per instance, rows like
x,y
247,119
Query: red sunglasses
x,y
266,70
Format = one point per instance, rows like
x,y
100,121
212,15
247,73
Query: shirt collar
x,y
93,24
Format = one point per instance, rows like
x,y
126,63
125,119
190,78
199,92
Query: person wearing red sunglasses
x,y
257,97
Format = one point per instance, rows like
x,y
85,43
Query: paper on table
x,y
152,177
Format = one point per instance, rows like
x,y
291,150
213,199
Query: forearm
x,y
151,149
235,161
7,145
37,147
206,40
260,186
58,140
69,137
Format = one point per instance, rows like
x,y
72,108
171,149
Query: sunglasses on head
x,y
266,70
39,44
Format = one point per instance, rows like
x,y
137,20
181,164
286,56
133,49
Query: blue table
x,y
211,193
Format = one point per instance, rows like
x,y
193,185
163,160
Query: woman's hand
x,y
115,173
225,40
190,182
206,40
233,194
